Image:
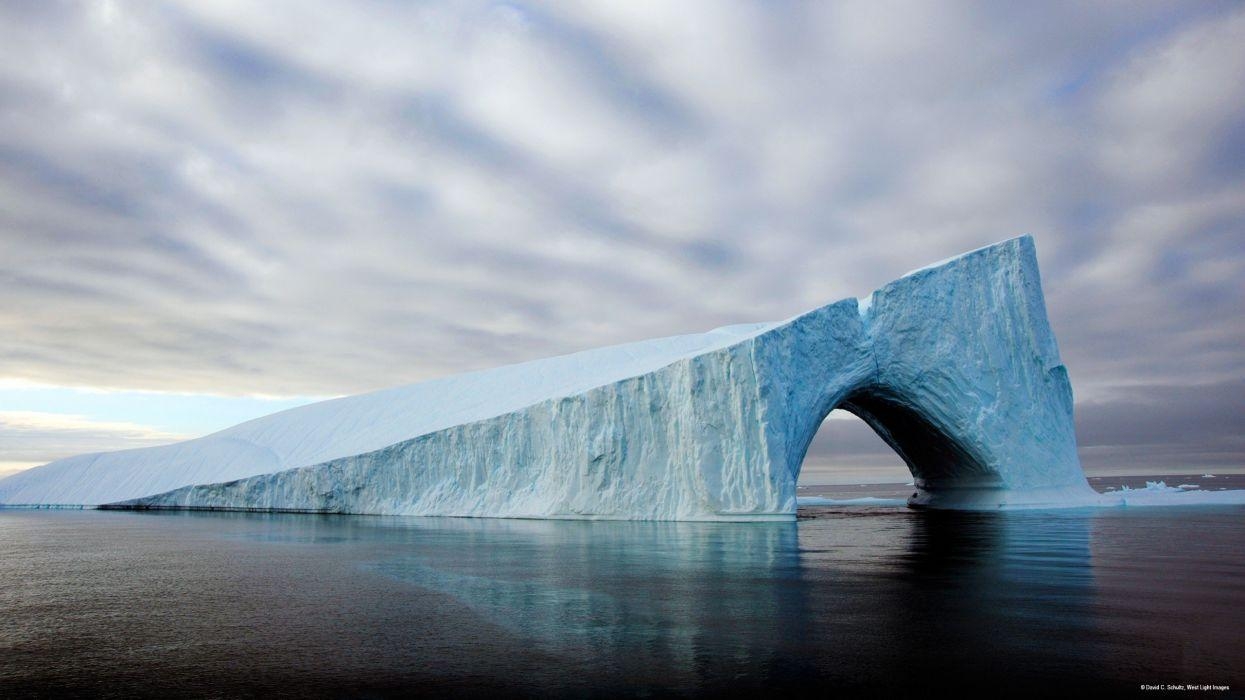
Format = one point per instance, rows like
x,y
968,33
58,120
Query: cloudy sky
x,y
211,211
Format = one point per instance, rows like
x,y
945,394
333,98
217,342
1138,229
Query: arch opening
x,y
935,460
845,451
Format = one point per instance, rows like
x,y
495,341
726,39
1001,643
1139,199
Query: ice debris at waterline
x,y
954,366
1158,493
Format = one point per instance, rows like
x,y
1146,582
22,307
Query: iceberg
x,y
954,366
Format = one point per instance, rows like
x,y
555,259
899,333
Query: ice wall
x,y
955,366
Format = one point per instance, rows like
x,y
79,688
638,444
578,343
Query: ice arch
x,y
954,365
961,376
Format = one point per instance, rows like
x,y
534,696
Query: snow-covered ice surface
x,y
955,366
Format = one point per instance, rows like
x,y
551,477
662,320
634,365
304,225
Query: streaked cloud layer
x,y
303,199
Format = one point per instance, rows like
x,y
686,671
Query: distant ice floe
x,y
1158,493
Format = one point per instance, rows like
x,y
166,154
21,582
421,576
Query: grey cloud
x,y
625,88
1210,415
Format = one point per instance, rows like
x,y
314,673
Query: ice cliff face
x,y
954,366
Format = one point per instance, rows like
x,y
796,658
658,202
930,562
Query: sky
x,y
212,211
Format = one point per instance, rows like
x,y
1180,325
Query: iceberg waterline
x,y
1154,495
954,366
806,501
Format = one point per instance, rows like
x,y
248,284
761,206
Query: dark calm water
x,y
861,600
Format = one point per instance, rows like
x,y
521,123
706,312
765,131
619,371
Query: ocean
x,y
851,601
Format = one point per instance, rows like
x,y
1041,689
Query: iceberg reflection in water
x,y
885,599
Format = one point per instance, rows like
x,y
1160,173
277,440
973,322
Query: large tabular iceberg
x,y
953,365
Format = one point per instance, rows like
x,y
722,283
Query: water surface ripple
x,y
867,600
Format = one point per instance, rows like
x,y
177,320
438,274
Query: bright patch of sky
x,y
174,413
